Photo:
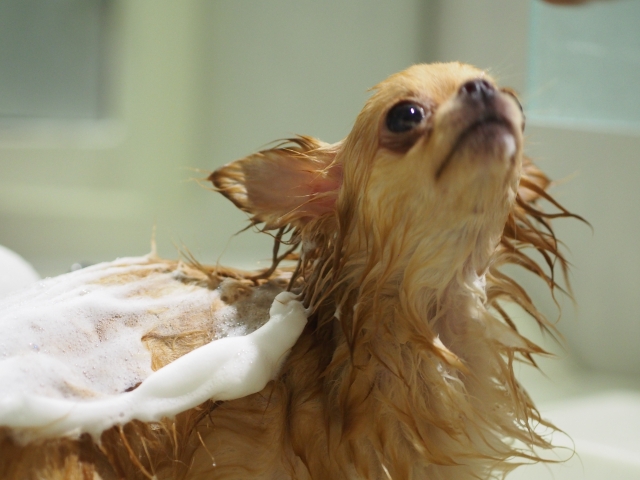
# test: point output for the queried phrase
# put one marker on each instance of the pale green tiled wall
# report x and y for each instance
(584, 65)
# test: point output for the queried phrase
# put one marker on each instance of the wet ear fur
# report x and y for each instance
(289, 185)
(532, 181)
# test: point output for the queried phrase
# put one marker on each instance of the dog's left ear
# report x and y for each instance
(291, 184)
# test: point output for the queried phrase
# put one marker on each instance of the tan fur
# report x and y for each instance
(403, 371)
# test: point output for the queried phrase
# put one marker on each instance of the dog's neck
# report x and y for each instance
(414, 262)
(400, 284)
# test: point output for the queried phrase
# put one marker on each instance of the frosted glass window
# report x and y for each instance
(585, 64)
(51, 58)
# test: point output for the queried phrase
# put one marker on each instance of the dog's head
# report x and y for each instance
(445, 133)
(436, 153)
(437, 148)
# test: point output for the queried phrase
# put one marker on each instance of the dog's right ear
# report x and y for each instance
(291, 184)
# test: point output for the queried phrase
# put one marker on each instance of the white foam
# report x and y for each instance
(71, 347)
(15, 272)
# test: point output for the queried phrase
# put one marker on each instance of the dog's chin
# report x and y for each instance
(492, 140)
(491, 146)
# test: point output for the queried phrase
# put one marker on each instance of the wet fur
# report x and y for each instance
(404, 370)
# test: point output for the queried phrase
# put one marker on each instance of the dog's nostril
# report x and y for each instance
(477, 88)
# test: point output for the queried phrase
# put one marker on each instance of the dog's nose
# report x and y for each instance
(477, 89)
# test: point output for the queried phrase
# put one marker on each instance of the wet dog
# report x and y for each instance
(404, 369)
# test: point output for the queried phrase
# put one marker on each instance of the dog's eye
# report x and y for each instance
(404, 116)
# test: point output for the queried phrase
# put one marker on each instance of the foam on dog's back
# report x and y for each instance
(72, 355)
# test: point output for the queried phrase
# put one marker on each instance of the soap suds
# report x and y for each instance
(15, 272)
(72, 349)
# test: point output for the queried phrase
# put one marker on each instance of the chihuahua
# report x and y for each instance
(404, 369)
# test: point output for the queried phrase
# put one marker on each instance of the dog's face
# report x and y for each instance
(435, 142)
(435, 146)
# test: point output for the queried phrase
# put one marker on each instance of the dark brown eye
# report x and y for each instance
(404, 116)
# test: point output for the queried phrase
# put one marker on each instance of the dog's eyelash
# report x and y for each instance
(514, 95)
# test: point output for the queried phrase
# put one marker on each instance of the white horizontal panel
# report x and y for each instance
(70, 202)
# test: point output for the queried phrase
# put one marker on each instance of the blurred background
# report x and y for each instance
(111, 111)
